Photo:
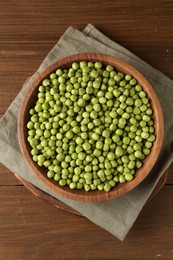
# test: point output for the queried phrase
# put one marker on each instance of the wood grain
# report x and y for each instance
(34, 229)
(7, 177)
(170, 175)
(29, 227)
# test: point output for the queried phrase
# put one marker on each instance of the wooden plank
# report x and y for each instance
(170, 175)
(34, 15)
(7, 178)
(32, 229)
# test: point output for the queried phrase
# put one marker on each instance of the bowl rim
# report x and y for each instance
(149, 161)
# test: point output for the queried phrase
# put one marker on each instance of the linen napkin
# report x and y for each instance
(118, 215)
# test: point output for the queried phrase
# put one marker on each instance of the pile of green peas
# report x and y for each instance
(91, 126)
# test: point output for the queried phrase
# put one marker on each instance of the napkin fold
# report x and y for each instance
(118, 215)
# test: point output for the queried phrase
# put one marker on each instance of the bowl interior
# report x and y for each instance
(29, 101)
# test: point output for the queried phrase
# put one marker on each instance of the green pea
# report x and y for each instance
(118, 151)
(131, 164)
(91, 126)
(151, 138)
(121, 179)
(60, 157)
(145, 135)
(138, 154)
(86, 187)
(128, 177)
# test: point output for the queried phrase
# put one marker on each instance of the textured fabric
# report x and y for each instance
(117, 215)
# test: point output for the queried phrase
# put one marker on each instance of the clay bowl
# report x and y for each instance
(29, 101)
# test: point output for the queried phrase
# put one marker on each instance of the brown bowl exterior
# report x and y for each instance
(29, 101)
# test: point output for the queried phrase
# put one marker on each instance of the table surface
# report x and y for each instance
(29, 227)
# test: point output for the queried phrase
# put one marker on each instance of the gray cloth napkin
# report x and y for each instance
(118, 215)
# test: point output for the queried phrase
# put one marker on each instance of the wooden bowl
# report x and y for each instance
(29, 101)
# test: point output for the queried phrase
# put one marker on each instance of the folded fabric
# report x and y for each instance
(118, 215)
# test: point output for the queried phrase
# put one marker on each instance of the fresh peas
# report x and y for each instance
(91, 126)
(128, 176)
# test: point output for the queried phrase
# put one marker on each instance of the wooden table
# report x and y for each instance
(29, 227)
